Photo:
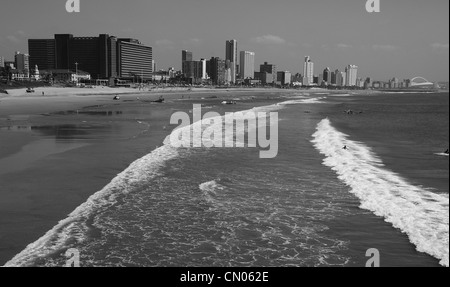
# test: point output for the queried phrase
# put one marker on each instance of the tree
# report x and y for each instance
(6, 72)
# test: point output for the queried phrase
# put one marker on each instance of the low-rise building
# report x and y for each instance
(66, 76)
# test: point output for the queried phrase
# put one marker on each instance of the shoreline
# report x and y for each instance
(98, 90)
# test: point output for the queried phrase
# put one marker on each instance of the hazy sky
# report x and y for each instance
(408, 38)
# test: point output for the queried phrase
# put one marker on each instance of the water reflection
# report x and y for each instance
(63, 132)
(89, 113)
(16, 128)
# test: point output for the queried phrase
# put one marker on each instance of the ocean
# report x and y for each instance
(315, 204)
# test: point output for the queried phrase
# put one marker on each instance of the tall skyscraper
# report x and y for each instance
(2, 62)
(308, 72)
(186, 56)
(217, 70)
(247, 65)
(351, 75)
(338, 78)
(344, 79)
(232, 56)
(204, 73)
(327, 76)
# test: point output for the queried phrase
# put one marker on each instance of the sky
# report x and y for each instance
(408, 38)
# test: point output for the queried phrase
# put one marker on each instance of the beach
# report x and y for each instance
(88, 172)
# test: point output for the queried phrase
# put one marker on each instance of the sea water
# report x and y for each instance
(315, 204)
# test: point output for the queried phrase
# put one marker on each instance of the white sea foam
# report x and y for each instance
(210, 190)
(210, 187)
(419, 213)
(342, 95)
(442, 154)
(412, 92)
(304, 101)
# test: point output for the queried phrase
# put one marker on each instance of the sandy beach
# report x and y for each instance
(100, 90)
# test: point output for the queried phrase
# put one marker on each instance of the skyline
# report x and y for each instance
(407, 39)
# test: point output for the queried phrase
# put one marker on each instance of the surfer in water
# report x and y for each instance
(345, 147)
(446, 152)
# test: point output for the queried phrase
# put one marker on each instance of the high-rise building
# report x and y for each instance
(344, 79)
(284, 78)
(186, 56)
(339, 80)
(269, 69)
(112, 58)
(194, 71)
(232, 56)
(204, 73)
(327, 76)
(135, 59)
(42, 53)
(95, 55)
(320, 80)
(154, 66)
(2, 62)
(265, 78)
(308, 72)
(367, 83)
(228, 73)
(22, 63)
(351, 75)
(62, 44)
(333, 78)
(247, 65)
(217, 70)
(198, 71)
